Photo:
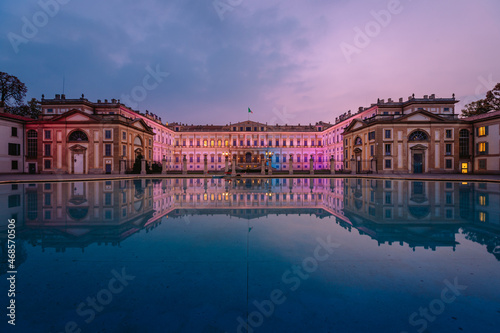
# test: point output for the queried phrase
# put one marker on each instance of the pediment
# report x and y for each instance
(78, 117)
(418, 117)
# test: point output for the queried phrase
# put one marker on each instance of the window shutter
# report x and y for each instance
(477, 147)
(486, 130)
(486, 145)
(477, 131)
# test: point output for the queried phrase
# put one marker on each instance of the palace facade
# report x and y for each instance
(425, 135)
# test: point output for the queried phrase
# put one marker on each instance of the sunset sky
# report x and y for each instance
(289, 61)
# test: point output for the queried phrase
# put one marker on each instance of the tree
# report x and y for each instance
(490, 102)
(32, 110)
(12, 90)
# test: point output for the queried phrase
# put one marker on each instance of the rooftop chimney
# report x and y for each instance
(433, 96)
(401, 100)
(105, 101)
(98, 101)
(58, 96)
(426, 96)
(389, 100)
(382, 101)
(63, 96)
(113, 101)
(360, 109)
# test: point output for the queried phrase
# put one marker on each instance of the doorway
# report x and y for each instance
(248, 158)
(78, 164)
(31, 167)
(418, 163)
(465, 167)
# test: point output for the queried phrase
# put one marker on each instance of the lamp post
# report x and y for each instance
(226, 158)
(269, 156)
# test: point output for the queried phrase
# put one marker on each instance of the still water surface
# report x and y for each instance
(278, 255)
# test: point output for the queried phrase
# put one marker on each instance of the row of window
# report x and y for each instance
(248, 143)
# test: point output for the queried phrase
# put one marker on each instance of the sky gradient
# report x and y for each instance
(289, 61)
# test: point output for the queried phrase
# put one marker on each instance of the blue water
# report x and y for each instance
(280, 255)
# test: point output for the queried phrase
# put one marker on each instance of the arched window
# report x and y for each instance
(358, 141)
(32, 143)
(78, 136)
(463, 143)
(137, 141)
(418, 136)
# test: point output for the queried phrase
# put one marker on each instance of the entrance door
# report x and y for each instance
(108, 168)
(31, 167)
(417, 163)
(465, 168)
(78, 164)
(358, 166)
(248, 157)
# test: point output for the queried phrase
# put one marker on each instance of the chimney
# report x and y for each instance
(389, 100)
(433, 96)
(105, 101)
(360, 109)
(58, 96)
(113, 101)
(401, 100)
(63, 96)
(382, 101)
(409, 97)
(426, 96)
(98, 101)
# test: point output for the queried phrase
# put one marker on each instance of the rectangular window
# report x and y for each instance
(312, 142)
(212, 159)
(198, 143)
(220, 159)
(371, 135)
(255, 143)
(197, 159)
(482, 148)
(387, 149)
(305, 143)
(47, 164)
(298, 143)
(298, 159)
(277, 143)
(234, 143)
(270, 143)
(13, 131)
(387, 134)
(47, 134)
(482, 164)
(291, 143)
(388, 164)
(14, 165)
(248, 143)
(107, 149)
(448, 163)
(107, 134)
(372, 150)
(14, 149)
(241, 143)
(448, 149)
(124, 150)
(262, 143)
(47, 150)
(482, 131)
(124, 136)
(448, 133)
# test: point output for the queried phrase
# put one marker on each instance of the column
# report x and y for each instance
(184, 165)
(311, 165)
(143, 166)
(353, 166)
(332, 165)
(290, 164)
(164, 166)
(205, 164)
(262, 164)
(270, 166)
(123, 166)
(226, 168)
(233, 167)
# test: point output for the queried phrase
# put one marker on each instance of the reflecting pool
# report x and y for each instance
(254, 255)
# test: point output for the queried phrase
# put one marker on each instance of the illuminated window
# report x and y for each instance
(205, 143)
(482, 131)
(482, 148)
(483, 217)
(482, 200)
(212, 143)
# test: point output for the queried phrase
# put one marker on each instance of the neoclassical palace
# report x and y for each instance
(417, 135)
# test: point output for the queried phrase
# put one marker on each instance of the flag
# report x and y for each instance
(250, 111)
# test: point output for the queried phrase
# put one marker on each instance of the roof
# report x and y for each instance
(15, 116)
(483, 115)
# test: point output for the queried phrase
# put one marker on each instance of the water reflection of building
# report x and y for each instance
(421, 214)
(424, 214)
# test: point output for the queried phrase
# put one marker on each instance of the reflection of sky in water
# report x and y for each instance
(202, 253)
